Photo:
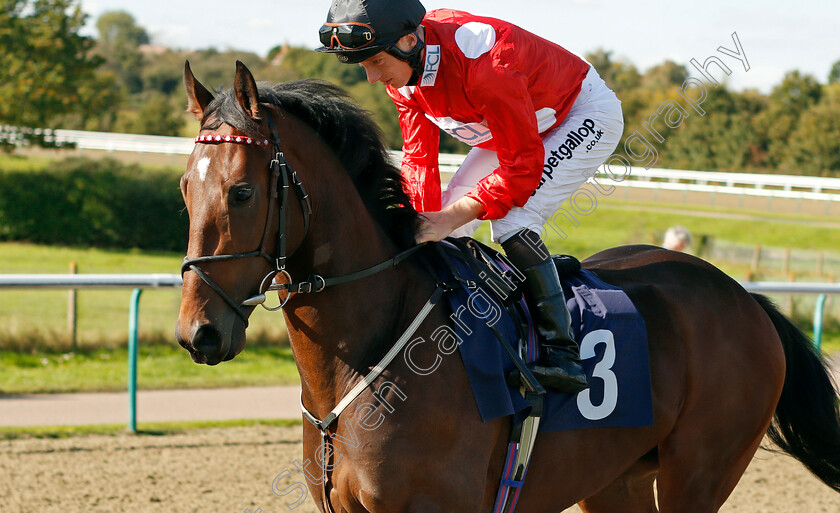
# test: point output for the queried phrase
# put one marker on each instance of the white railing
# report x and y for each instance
(775, 186)
(771, 186)
(135, 143)
(138, 282)
(89, 281)
(150, 281)
(784, 287)
(144, 281)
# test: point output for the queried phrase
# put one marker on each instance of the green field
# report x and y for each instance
(23, 163)
(38, 318)
(614, 223)
(36, 355)
(159, 366)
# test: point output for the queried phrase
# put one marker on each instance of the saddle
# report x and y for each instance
(607, 325)
(494, 274)
(497, 276)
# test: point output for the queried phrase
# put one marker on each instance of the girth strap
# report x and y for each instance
(496, 277)
(520, 449)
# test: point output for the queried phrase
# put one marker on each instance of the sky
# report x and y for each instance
(775, 36)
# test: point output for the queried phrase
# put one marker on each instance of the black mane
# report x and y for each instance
(350, 132)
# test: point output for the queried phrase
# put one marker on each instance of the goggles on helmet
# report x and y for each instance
(349, 36)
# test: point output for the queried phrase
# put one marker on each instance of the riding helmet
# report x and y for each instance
(358, 29)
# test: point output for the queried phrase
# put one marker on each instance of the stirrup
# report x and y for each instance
(565, 386)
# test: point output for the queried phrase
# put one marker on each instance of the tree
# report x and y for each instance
(786, 103)
(665, 76)
(118, 28)
(154, 114)
(216, 69)
(720, 140)
(119, 43)
(814, 147)
(311, 64)
(45, 65)
(796, 93)
(834, 73)
(164, 73)
(100, 101)
(619, 76)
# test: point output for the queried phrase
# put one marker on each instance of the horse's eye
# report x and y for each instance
(242, 194)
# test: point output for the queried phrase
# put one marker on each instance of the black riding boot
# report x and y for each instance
(559, 368)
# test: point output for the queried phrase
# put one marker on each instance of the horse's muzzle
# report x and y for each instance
(206, 345)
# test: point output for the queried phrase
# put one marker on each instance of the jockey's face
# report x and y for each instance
(384, 67)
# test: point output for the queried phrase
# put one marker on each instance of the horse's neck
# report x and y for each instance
(338, 334)
(338, 337)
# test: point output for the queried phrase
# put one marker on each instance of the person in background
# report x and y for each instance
(540, 120)
(677, 238)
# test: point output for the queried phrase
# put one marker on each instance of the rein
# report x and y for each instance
(282, 177)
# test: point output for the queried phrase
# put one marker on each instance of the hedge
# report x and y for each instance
(103, 203)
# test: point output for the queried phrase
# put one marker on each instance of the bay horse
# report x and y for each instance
(293, 181)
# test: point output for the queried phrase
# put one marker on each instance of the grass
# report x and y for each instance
(617, 223)
(613, 224)
(36, 159)
(37, 319)
(143, 428)
(830, 342)
(12, 162)
(33, 324)
(163, 366)
(159, 366)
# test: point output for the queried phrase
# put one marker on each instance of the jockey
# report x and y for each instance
(539, 118)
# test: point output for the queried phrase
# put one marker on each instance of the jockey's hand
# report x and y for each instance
(439, 225)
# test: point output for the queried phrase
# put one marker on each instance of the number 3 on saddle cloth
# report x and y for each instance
(613, 348)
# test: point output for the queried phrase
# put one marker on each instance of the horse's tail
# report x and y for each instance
(806, 424)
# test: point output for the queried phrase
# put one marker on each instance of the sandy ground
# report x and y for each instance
(282, 402)
(233, 470)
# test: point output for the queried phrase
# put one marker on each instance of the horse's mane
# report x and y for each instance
(351, 133)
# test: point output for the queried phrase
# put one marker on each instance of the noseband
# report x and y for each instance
(282, 177)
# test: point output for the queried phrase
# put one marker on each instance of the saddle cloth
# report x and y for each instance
(614, 351)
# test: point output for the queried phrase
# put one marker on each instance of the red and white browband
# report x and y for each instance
(239, 139)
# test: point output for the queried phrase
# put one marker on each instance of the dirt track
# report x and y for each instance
(231, 471)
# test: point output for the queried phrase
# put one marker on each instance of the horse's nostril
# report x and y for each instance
(207, 340)
(181, 341)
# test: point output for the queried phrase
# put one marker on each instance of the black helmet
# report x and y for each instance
(358, 29)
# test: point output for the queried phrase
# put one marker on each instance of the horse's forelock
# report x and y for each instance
(225, 109)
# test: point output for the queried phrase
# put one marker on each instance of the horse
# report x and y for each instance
(726, 366)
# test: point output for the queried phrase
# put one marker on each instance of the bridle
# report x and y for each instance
(282, 178)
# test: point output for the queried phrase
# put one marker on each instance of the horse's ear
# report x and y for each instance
(245, 88)
(198, 97)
